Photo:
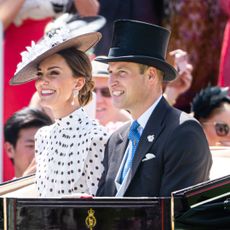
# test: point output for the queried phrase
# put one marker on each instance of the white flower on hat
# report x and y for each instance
(50, 40)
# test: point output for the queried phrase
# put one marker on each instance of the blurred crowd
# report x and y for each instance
(198, 49)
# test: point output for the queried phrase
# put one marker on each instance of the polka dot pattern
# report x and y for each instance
(69, 156)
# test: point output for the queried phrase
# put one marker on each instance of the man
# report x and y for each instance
(19, 132)
(167, 149)
(106, 113)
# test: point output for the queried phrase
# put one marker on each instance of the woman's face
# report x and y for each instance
(217, 127)
(55, 84)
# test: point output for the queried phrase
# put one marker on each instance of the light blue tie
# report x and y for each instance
(134, 137)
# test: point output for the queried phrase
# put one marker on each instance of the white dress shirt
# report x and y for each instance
(142, 120)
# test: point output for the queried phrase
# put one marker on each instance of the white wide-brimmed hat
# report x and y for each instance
(99, 69)
(51, 43)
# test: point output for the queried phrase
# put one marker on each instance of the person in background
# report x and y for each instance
(198, 28)
(19, 132)
(211, 107)
(173, 89)
(106, 113)
(163, 149)
(18, 12)
(69, 152)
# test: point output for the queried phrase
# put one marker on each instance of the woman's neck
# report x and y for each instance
(64, 111)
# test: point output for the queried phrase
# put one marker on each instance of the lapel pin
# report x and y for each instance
(150, 138)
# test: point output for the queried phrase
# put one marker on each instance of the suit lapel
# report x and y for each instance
(121, 146)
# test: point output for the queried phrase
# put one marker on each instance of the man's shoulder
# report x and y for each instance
(121, 131)
(180, 116)
(178, 123)
(124, 127)
(185, 127)
(187, 117)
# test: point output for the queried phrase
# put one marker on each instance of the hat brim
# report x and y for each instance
(82, 42)
(169, 71)
(100, 75)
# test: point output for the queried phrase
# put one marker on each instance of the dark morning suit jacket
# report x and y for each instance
(182, 156)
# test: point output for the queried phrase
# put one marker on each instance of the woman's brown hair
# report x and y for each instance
(80, 65)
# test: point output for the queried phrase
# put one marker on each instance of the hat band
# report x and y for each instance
(101, 72)
(118, 52)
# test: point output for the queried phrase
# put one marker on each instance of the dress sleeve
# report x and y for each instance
(38, 141)
(93, 164)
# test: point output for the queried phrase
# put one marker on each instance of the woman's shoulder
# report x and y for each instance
(96, 131)
(97, 128)
(44, 130)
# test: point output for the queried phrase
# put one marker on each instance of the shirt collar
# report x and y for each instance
(78, 116)
(143, 119)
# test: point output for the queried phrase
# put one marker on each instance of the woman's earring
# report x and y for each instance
(75, 94)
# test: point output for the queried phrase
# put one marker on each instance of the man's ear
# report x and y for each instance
(152, 73)
(9, 148)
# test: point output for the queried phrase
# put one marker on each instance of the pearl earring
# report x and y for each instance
(75, 94)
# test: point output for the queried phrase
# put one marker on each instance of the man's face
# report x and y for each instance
(130, 89)
(23, 153)
(105, 110)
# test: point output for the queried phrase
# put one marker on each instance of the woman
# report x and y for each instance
(69, 152)
(212, 108)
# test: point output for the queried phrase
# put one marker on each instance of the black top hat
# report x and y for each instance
(140, 42)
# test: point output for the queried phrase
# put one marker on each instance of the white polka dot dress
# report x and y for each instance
(69, 156)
